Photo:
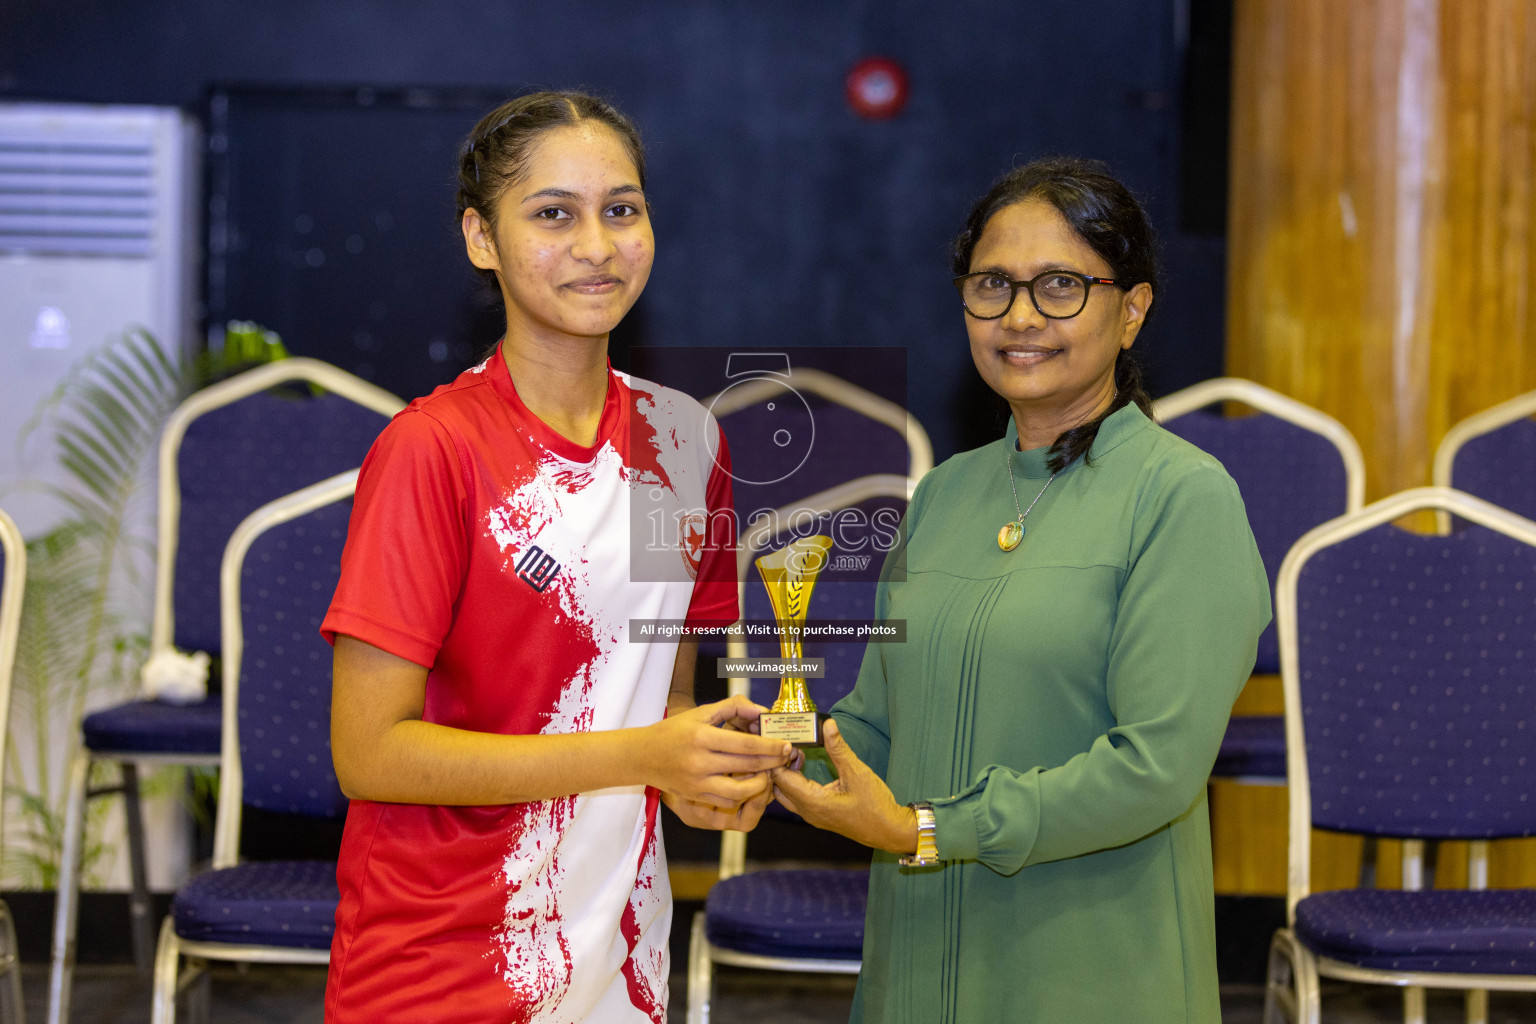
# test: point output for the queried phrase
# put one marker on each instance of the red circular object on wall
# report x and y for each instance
(877, 88)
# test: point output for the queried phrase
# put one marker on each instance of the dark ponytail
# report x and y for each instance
(1105, 215)
(1078, 442)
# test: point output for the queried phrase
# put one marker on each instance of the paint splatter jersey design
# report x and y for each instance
(498, 554)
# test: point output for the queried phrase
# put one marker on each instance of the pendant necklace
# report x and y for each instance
(1012, 533)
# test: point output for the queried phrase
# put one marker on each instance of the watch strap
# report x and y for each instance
(927, 838)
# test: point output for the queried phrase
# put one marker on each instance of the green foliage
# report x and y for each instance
(86, 613)
(246, 345)
(88, 583)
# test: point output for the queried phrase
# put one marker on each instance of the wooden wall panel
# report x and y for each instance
(1382, 204)
(1380, 269)
(1482, 337)
(1322, 304)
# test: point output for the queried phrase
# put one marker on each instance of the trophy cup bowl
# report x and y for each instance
(790, 575)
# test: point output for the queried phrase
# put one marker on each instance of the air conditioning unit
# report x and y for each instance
(98, 233)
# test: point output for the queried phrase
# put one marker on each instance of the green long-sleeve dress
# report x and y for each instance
(1061, 706)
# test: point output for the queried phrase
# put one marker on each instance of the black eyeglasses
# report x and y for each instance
(1057, 294)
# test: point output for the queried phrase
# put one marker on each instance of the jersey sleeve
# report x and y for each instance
(714, 601)
(407, 543)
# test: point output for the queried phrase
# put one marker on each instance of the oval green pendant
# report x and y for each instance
(1009, 536)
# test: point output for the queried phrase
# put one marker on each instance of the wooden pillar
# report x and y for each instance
(1380, 251)
(1380, 232)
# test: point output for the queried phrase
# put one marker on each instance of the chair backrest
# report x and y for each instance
(1493, 455)
(837, 600)
(13, 581)
(231, 448)
(836, 431)
(1407, 664)
(277, 578)
(839, 594)
(1295, 467)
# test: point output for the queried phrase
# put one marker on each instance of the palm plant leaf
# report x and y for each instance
(84, 620)
(85, 616)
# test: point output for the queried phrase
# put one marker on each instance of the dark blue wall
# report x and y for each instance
(781, 217)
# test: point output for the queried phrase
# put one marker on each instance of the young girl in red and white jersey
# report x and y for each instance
(504, 740)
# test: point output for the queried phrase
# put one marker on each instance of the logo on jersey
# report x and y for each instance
(537, 568)
(690, 541)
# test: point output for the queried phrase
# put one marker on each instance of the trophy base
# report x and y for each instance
(802, 728)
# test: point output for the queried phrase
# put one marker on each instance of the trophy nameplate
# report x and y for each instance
(790, 575)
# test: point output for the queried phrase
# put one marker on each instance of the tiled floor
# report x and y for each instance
(287, 995)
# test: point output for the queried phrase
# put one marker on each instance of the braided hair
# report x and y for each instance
(498, 151)
(1106, 216)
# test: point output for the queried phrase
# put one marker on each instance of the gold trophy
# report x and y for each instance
(790, 574)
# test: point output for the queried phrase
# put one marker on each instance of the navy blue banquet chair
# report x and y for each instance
(1296, 467)
(225, 451)
(13, 578)
(1411, 715)
(799, 919)
(795, 431)
(277, 578)
(1493, 455)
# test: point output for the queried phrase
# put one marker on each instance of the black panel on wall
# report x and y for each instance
(330, 221)
(1205, 133)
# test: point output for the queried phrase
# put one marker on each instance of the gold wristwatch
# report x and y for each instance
(927, 842)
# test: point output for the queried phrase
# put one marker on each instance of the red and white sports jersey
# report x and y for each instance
(498, 554)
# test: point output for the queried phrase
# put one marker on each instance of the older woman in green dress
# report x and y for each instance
(1083, 599)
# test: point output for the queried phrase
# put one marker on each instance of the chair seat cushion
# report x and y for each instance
(156, 727)
(813, 914)
(1454, 931)
(1254, 745)
(266, 903)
